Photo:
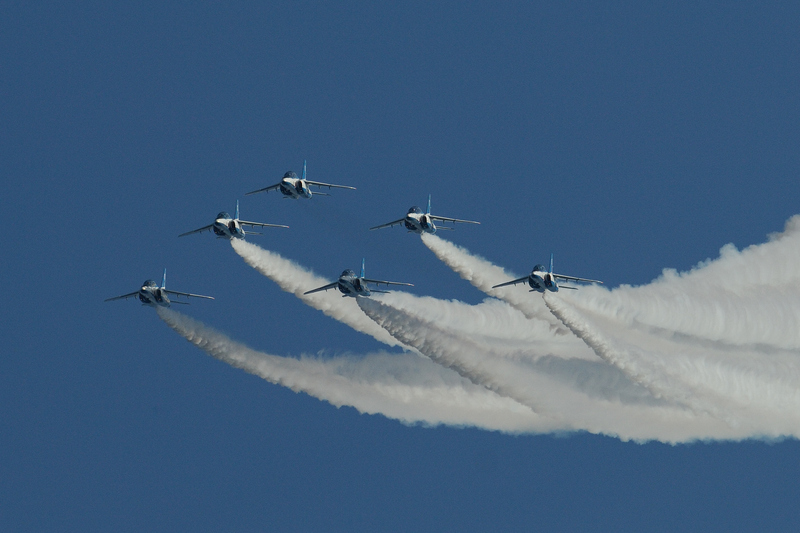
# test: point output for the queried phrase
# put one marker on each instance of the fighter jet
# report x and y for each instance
(293, 187)
(231, 228)
(351, 285)
(541, 280)
(153, 295)
(418, 222)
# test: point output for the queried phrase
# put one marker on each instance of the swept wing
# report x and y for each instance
(123, 297)
(390, 224)
(323, 288)
(204, 228)
(572, 278)
(188, 294)
(329, 185)
(261, 224)
(381, 282)
(513, 282)
(448, 219)
(265, 189)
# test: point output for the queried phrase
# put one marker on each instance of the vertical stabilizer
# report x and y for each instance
(164, 280)
(237, 210)
(304, 169)
(551, 262)
(428, 212)
(363, 270)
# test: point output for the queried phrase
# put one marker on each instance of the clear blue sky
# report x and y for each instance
(624, 138)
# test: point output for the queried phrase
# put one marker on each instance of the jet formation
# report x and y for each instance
(349, 284)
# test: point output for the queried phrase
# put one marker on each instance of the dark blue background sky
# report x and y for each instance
(623, 137)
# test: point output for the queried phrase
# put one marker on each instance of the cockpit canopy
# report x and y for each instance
(290, 174)
(415, 209)
(539, 268)
(348, 273)
(223, 214)
(149, 283)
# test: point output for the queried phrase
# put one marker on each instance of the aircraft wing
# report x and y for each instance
(381, 282)
(513, 282)
(448, 219)
(572, 278)
(265, 189)
(389, 224)
(261, 224)
(329, 185)
(204, 228)
(123, 297)
(176, 293)
(323, 288)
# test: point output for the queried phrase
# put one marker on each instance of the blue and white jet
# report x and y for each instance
(153, 295)
(351, 285)
(542, 280)
(293, 187)
(231, 227)
(416, 221)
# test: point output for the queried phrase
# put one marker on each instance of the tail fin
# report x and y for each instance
(304, 169)
(363, 270)
(551, 262)
(428, 212)
(237, 210)
(164, 280)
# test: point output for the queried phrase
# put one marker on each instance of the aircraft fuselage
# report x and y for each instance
(153, 296)
(541, 281)
(419, 222)
(228, 227)
(293, 187)
(352, 285)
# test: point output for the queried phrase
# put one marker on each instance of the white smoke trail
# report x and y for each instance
(296, 280)
(729, 327)
(722, 339)
(492, 322)
(743, 387)
(551, 388)
(712, 353)
(484, 275)
(749, 297)
(634, 365)
(404, 387)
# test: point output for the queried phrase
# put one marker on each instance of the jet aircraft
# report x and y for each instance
(231, 228)
(541, 280)
(153, 295)
(293, 187)
(418, 222)
(351, 285)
